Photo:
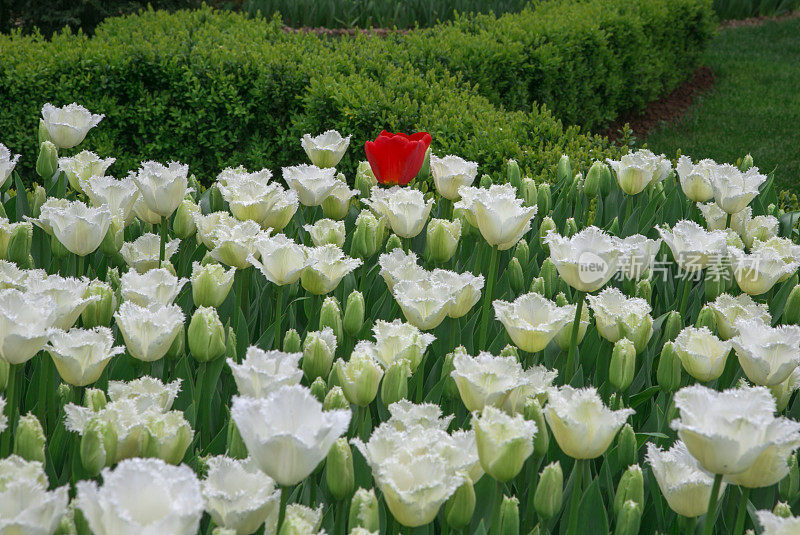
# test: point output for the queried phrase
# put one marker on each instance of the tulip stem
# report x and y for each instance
(708, 527)
(728, 221)
(573, 339)
(44, 389)
(12, 406)
(78, 266)
(278, 316)
(282, 510)
(740, 515)
(491, 275)
(163, 245)
(575, 498)
(685, 298)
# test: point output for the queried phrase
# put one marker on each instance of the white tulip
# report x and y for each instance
(168, 436)
(450, 173)
(263, 372)
(15, 469)
(783, 392)
(302, 520)
(637, 170)
(581, 424)
(638, 256)
(68, 294)
(283, 205)
(81, 355)
(3, 417)
(287, 433)
(786, 249)
(504, 441)
(406, 415)
(163, 187)
(404, 208)
(7, 228)
(465, 288)
(694, 248)
(312, 184)
(326, 149)
(26, 505)
(325, 231)
(236, 242)
(146, 391)
(532, 320)
(760, 227)
(149, 331)
(141, 211)
(25, 324)
(249, 195)
(360, 375)
(424, 303)
(82, 166)
(768, 355)
(142, 497)
(327, 266)
(716, 218)
(282, 260)
(773, 464)
(78, 227)
(207, 226)
(587, 260)
(7, 163)
(619, 316)
(727, 431)
(395, 341)
(501, 217)
(728, 310)
(400, 265)
(337, 203)
(211, 283)
(695, 178)
(154, 287)
(119, 195)
(67, 126)
(239, 496)
(773, 524)
(142, 254)
(11, 276)
(487, 380)
(756, 273)
(684, 484)
(734, 189)
(701, 353)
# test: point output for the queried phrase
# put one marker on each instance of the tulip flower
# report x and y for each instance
(327, 266)
(153, 287)
(326, 231)
(728, 310)
(211, 284)
(639, 253)
(119, 195)
(263, 372)
(287, 433)
(142, 496)
(761, 227)
(78, 227)
(326, 149)
(142, 212)
(450, 173)
(734, 189)
(587, 260)
(684, 484)
(404, 208)
(28, 505)
(145, 391)
(239, 496)
(396, 159)
(692, 247)
(504, 442)
(142, 254)
(786, 249)
(337, 203)
(312, 184)
(695, 178)
(400, 265)
(25, 323)
(773, 464)
(756, 273)
(7, 163)
(768, 355)
(500, 216)
(532, 321)
(67, 126)
(82, 166)
(464, 288)
(234, 243)
(618, 316)
(360, 376)
(282, 261)
(637, 170)
(149, 331)
(163, 187)
(702, 354)
(168, 437)
(773, 524)
(717, 219)
(424, 303)
(81, 355)
(395, 341)
(249, 195)
(68, 295)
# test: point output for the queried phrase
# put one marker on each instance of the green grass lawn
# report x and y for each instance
(754, 106)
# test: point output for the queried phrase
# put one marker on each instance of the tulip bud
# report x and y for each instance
(594, 179)
(364, 512)
(668, 373)
(5, 368)
(510, 351)
(707, 318)
(393, 243)
(623, 364)
(504, 442)
(365, 179)
(747, 163)
(114, 238)
(782, 510)
(546, 226)
(508, 521)
(99, 312)
(183, 224)
(98, 447)
(291, 341)
(549, 491)
(570, 227)
(543, 199)
(335, 399)
(94, 399)
(368, 235)
(629, 519)
(354, 313)
(47, 162)
(450, 390)
(638, 332)
(235, 445)
(541, 440)
(211, 284)
(215, 201)
(29, 439)
(319, 388)
(537, 286)
(549, 273)
(485, 182)
(43, 134)
(513, 175)
(515, 275)
(522, 253)
(178, 347)
(336, 206)
(19, 245)
(644, 290)
(789, 486)
(627, 446)
(360, 377)
(460, 506)
(791, 310)
(529, 192)
(206, 335)
(442, 239)
(37, 200)
(331, 316)
(425, 171)
(564, 169)
(339, 469)
(630, 488)
(65, 394)
(673, 325)
(394, 386)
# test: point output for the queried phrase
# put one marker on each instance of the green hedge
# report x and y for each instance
(216, 89)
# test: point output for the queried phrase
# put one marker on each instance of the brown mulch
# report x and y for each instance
(756, 21)
(668, 108)
(344, 32)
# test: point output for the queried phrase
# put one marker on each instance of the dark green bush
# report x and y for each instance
(217, 89)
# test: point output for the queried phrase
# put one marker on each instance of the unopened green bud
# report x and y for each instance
(607, 183)
(331, 316)
(541, 440)
(215, 201)
(442, 239)
(513, 175)
(235, 445)
(538, 286)
(393, 243)
(114, 238)
(547, 226)
(508, 521)
(529, 192)
(747, 163)
(19, 245)
(319, 349)
(57, 249)
(98, 445)
(522, 253)
(211, 284)
(291, 342)
(42, 133)
(543, 199)
(549, 491)
(594, 178)
(450, 389)
(673, 325)
(206, 335)
(178, 347)
(101, 311)
(627, 446)
(364, 512)
(365, 179)
(549, 273)
(360, 377)
(183, 224)
(510, 351)
(668, 373)
(460, 506)
(368, 235)
(623, 364)
(47, 162)
(394, 386)
(38, 198)
(644, 290)
(564, 169)
(192, 183)
(354, 313)
(425, 171)
(335, 399)
(29, 439)
(339, 471)
(791, 310)
(715, 285)
(782, 510)
(319, 388)
(630, 487)
(629, 518)
(789, 486)
(707, 318)
(65, 394)
(515, 275)
(94, 399)
(485, 181)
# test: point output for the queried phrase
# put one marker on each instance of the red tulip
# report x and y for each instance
(397, 158)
